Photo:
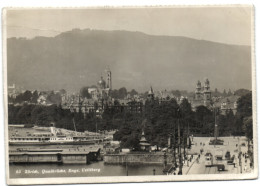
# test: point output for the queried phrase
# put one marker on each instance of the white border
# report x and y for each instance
(68, 3)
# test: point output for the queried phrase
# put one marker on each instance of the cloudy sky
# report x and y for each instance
(230, 25)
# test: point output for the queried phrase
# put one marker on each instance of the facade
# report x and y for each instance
(103, 87)
(202, 95)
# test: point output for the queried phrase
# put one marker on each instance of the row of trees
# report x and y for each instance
(158, 120)
(32, 97)
(239, 92)
(161, 121)
(29, 115)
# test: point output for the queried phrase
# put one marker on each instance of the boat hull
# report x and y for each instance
(52, 143)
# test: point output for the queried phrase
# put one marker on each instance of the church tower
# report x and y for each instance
(109, 78)
(150, 95)
(207, 93)
(198, 95)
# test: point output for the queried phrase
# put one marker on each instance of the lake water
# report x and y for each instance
(91, 170)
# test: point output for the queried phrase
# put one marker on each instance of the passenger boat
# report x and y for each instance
(53, 140)
(50, 138)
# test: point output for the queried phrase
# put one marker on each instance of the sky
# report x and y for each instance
(231, 25)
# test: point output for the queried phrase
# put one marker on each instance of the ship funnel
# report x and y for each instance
(53, 129)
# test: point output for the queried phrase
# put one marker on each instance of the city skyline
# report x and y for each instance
(169, 90)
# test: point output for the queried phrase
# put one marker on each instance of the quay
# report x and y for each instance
(59, 156)
(138, 158)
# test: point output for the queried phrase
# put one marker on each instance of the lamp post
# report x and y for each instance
(179, 143)
(216, 127)
(126, 167)
(239, 155)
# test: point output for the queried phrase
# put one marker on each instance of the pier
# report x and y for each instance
(59, 156)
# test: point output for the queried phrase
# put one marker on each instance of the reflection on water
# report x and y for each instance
(94, 169)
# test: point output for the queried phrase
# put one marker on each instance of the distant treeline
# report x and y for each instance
(33, 97)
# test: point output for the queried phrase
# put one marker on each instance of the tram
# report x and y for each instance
(208, 159)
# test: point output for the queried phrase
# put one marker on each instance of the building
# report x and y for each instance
(144, 145)
(150, 95)
(103, 88)
(202, 95)
(227, 104)
(109, 78)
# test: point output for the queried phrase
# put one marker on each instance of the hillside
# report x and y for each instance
(77, 58)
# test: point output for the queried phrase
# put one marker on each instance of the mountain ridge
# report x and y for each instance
(77, 58)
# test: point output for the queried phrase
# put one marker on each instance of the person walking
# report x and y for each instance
(245, 168)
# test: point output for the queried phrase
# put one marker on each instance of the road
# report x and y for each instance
(231, 144)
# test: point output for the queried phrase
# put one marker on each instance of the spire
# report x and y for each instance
(150, 94)
(199, 83)
(151, 90)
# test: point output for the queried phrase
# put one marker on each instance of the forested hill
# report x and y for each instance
(77, 58)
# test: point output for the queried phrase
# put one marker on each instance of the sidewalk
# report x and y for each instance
(186, 168)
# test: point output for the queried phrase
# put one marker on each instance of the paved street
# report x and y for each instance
(231, 144)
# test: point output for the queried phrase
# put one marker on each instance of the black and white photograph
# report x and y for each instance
(129, 94)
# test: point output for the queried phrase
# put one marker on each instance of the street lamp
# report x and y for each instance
(179, 142)
(126, 167)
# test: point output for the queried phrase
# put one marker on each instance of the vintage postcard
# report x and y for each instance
(129, 94)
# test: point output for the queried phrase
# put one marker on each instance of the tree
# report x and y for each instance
(224, 93)
(24, 97)
(229, 93)
(54, 98)
(84, 93)
(216, 93)
(114, 94)
(244, 121)
(27, 95)
(241, 92)
(133, 92)
(35, 96)
(122, 93)
(176, 93)
(205, 118)
(244, 105)
(62, 91)
(24, 114)
(248, 127)
(185, 107)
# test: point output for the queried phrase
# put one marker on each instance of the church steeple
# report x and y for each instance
(150, 94)
(207, 93)
(109, 78)
(198, 91)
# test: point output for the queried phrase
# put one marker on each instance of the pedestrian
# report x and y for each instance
(245, 168)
